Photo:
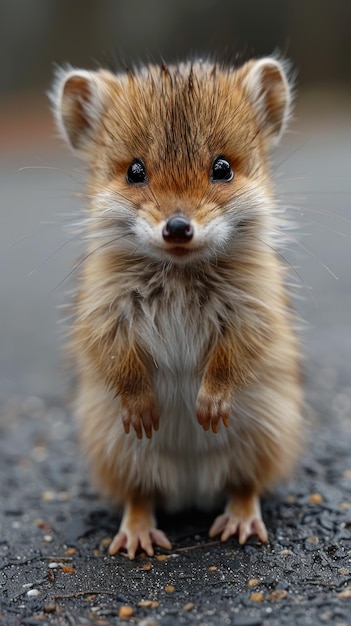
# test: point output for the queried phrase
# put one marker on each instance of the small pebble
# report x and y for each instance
(126, 611)
(41, 524)
(345, 506)
(48, 496)
(47, 538)
(169, 588)
(316, 498)
(33, 593)
(343, 571)
(67, 569)
(253, 582)
(189, 606)
(97, 552)
(313, 540)
(256, 596)
(277, 595)
(344, 595)
(39, 453)
(105, 542)
(327, 616)
(149, 604)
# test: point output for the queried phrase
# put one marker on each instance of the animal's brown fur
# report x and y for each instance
(188, 363)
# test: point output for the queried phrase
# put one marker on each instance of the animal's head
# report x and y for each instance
(177, 155)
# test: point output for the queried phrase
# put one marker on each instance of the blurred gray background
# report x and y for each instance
(40, 180)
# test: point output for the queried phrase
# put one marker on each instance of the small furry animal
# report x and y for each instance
(188, 364)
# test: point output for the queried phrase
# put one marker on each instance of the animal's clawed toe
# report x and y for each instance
(142, 419)
(210, 410)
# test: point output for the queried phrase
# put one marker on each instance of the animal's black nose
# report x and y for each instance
(178, 229)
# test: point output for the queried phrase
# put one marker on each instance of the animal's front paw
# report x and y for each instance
(140, 413)
(211, 408)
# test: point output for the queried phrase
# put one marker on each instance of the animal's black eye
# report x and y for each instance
(221, 170)
(136, 173)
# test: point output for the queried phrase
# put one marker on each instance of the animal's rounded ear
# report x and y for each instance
(78, 101)
(268, 88)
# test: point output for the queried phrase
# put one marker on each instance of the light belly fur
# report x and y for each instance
(182, 463)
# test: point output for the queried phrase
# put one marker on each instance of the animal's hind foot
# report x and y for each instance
(242, 517)
(138, 532)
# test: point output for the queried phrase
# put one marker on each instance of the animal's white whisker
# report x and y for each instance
(52, 254)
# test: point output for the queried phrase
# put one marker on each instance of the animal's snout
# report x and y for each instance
(178, 229)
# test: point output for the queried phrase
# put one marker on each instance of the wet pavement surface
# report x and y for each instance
(54, 567)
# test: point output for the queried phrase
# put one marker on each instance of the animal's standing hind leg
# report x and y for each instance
(138, 530)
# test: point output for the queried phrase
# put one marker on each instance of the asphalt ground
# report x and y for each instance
(54, 567)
